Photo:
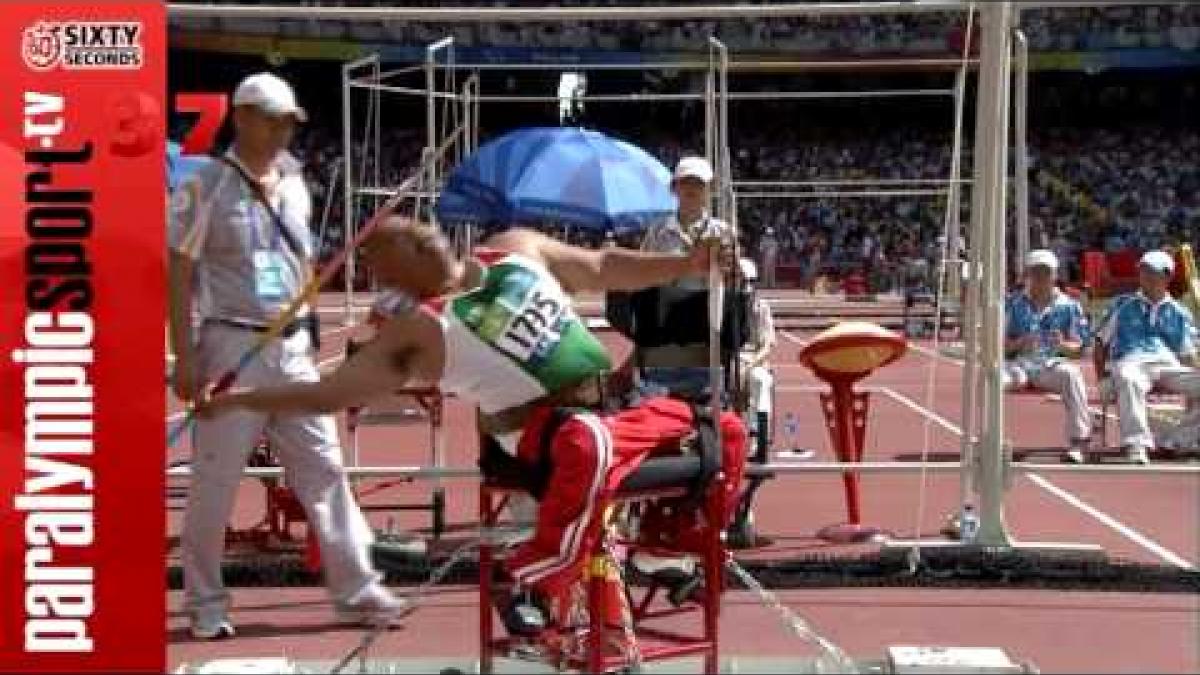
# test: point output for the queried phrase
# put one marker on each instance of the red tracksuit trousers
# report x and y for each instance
(591, 455)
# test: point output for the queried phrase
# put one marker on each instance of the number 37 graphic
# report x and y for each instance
(210, 110)
(183, 159)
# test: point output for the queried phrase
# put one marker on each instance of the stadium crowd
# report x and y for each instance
(1104, 184)
(1174, 24)
(1106, 188)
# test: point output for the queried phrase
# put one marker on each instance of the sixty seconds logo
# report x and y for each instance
(79, 45)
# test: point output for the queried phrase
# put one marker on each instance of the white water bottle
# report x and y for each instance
(791, 429)
(968, 524)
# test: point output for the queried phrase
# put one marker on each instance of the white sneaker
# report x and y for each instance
(1136, 454)
(664, 568)
(1075, 455)
(373, 606)
(216, 628)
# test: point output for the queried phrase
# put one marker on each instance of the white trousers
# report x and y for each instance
(1132, 380)
(1060, 377)
(309, 451)
(760, 383)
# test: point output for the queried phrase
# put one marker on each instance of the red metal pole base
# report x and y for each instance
(846, 417)
(851, 533)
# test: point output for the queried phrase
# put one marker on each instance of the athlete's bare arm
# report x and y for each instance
(610, 269)
(381, 367)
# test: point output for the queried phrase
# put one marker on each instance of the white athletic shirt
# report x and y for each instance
(515, 338)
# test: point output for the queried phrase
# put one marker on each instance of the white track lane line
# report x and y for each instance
(921, 410)
(1062, 493)
(925, 351)
(1114, 524)
(792, 338)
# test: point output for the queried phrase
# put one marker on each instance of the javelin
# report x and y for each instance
(310, 290)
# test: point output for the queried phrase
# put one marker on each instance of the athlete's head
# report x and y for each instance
(410, 256)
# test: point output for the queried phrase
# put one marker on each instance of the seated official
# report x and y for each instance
(678, 363)
(1045, 330)
(758, 382)
(1149, 340)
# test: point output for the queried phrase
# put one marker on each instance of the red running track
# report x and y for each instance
(1146, 518)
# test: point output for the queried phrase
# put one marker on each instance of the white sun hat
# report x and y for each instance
(270, 94)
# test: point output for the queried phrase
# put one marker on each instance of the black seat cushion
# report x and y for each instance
(663, 472)
(670, 315)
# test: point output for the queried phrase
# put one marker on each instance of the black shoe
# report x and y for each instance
(683, 590)
(679, 574)
(525, 614)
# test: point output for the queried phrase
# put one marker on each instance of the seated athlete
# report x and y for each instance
(498, 330)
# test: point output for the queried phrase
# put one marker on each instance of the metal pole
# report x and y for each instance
(681, 97)
(428, 180)
(714, 142)
(348, 190)
(740, 65)
(824, 194)
(329, 192)
(431, 119)
(377, 105)
(709, 87)
(953, 209)
(1021, 155)
(475, 113)
(954, 276)
(852, 182)
(988, 202)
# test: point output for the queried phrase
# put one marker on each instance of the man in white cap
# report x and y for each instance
(691, 183)
(241, 244)
(1045, 331)
(1147, 339)
(683, 367)
(675, 368)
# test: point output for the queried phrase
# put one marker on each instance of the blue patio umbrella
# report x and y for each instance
(180, 166)
(564, 175)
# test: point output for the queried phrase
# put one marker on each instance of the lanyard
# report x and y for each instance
(258, 223)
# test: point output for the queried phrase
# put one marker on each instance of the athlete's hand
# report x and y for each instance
(210, 403)
(705, 250)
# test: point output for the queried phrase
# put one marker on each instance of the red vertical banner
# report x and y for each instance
(82, 287)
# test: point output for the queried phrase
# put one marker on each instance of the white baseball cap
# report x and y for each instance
(694, 167)
(1159, 261)
(270, 94)
(1041, 258)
